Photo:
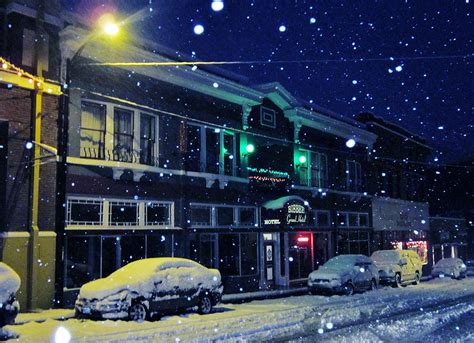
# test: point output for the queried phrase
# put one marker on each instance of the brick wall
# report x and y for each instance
(16, 109)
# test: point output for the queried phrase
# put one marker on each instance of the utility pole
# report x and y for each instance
(34, 255)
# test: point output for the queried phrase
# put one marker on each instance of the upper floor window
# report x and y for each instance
(147, 139)
(123, 135)
(92, 131)
(353, 176)
(352, 219)
(267, 117)
(211, 150)
(314, 170)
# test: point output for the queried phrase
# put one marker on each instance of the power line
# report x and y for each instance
(340, 60)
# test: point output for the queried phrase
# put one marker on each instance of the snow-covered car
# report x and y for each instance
(151, 287)
(449, 267)
(398, 267)
(9, 285)
(344, 274)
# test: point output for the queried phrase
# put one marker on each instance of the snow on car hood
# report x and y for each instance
(142, 276)
(9, 282)
(328, 274)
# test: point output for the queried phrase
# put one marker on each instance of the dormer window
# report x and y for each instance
(267, 117)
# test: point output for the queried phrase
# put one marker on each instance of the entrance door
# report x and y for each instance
(269, 248)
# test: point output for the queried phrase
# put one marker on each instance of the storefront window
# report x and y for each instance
(132, 248)
(249, 258)
(82, 260)
(353, 242)
(159, 245)
(229, 254)
(110, 255)
(300, 255)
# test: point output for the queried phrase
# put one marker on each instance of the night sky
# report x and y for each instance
(432, 97)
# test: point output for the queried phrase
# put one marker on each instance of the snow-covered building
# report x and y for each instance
(398, 182)
(187, 161)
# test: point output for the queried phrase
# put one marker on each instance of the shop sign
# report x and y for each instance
(296, 214)
(271, 222)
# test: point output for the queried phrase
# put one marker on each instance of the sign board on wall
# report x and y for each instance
(399, 215)
(287, 211)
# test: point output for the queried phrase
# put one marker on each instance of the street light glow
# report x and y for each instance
(302, 159)
(111, 28)
(250, 148)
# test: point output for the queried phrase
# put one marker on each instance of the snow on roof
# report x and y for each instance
(279, 203)
(9, 282)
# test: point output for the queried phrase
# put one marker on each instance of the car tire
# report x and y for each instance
(398, 281)
(417, 279)
(138, 312)
(348, 288)
(205, 304)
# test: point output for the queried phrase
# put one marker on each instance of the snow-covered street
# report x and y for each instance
(439, 310)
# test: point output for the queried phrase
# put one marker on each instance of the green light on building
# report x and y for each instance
(302, 159)
(250, 148)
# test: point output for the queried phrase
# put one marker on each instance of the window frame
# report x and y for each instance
(267, 122)
(356, 184)
(204, 148)
(236, 223)
(347, 214)
(103, 132)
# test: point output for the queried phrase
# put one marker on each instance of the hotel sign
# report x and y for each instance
(296, 214)
(291, 212)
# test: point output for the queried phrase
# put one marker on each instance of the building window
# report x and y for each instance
(148, 139)
(319, 170)
(228, 154)
(158, 214)
(92, 131)
(225, 216)
(353, 242)
(353, 176)
(218, 156)
(267, 117)
(207, 215)
(84, 212)
(193, 160)
(123, 213)
(322, 218)
(313, 172)
(238, 254)
(123, 135)
(352, 219)
(247, 216)
(201, 216)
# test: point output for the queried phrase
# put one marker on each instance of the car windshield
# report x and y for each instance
(341, 262)
(385, 256)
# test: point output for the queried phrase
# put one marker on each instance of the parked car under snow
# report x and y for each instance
(449, 267)
(151, 287)
(344, 274)
(9, 285)
(398, 267)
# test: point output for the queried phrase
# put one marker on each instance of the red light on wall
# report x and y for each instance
(303, 239)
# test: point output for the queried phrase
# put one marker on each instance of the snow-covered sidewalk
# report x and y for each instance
(284, 318)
